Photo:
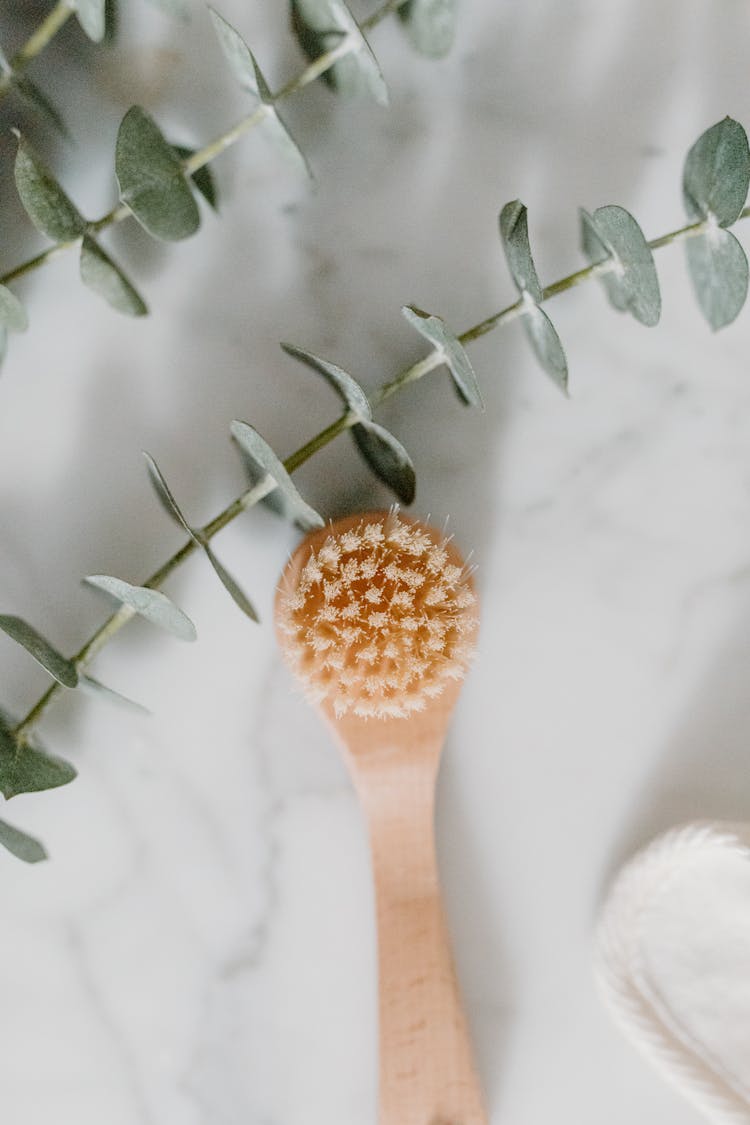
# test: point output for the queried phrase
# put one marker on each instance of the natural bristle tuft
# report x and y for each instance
(379, 618)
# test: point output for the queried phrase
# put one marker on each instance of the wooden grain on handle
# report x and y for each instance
(427, 1074)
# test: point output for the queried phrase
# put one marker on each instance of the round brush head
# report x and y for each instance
(376, 614)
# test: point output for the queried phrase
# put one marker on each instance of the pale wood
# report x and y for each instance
(427, 1073)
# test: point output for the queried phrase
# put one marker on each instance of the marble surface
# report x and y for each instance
(200, 948)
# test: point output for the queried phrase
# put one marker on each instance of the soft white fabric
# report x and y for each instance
(673, 962)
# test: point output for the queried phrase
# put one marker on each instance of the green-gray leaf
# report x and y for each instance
(164, 493)
(717, 173)
(230, 584)
(44, 200)
(202, 178)
(30, 93)
(239, 56)
(431, 25)
(275, 500)
(94, 687)
(316, 34)
(451, 351)
(344, 384)
(3, 342)
(151, 179)
(26, 768)
(546, 344)
(12, 313)
(31, 771)
(20, 845)
(103, 276)
(633, 285)
(320, 25)
(244, 67)
(718, 269)
(514, 233)
(278, 133)
(387, 458)
(63, 670)
(258, 450)
(155, 606)
(91, 16)
(169, 504)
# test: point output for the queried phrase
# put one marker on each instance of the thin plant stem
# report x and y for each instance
(412, 374)
(381, 14)
(36, 43)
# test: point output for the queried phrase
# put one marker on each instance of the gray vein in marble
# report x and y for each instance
(122, 1048)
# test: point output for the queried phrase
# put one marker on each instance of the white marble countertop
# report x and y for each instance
(200, 948)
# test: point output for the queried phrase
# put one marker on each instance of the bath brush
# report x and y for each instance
(377, 617)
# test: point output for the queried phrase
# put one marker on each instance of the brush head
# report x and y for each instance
(376, 615)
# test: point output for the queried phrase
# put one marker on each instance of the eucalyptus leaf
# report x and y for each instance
(258, 450)
(169, 504)
(277, 131)
(30, 93)
(387, 458)
(95, 687)
(717, 173)
(63, 670)
(239, 56)
(153, 605)
(451, 351)
(100, 274)
(514, 233)
(320, 25)
(31, 771)
(344, 384)
(546, 344)
(91, 14)
(151, 179)
(431, 25)
(21, 845)
(25, 768)
(12, 313)
(229, 583)
(203, 178)
(275, 501)
(718, 270)
(244, 67)
(633, 285)
(164, 494)
(3, 342)
(44, 200)
(316, 32)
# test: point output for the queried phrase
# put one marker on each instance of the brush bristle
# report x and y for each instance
(379, 620)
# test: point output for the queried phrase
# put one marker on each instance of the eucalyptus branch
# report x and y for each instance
(203, 156)
(715, 185)
(416, 371)
(36, 43)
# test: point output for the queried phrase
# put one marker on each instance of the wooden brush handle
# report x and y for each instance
(427, 1075)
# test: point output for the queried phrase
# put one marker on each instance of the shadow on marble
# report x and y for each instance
(703, 772)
